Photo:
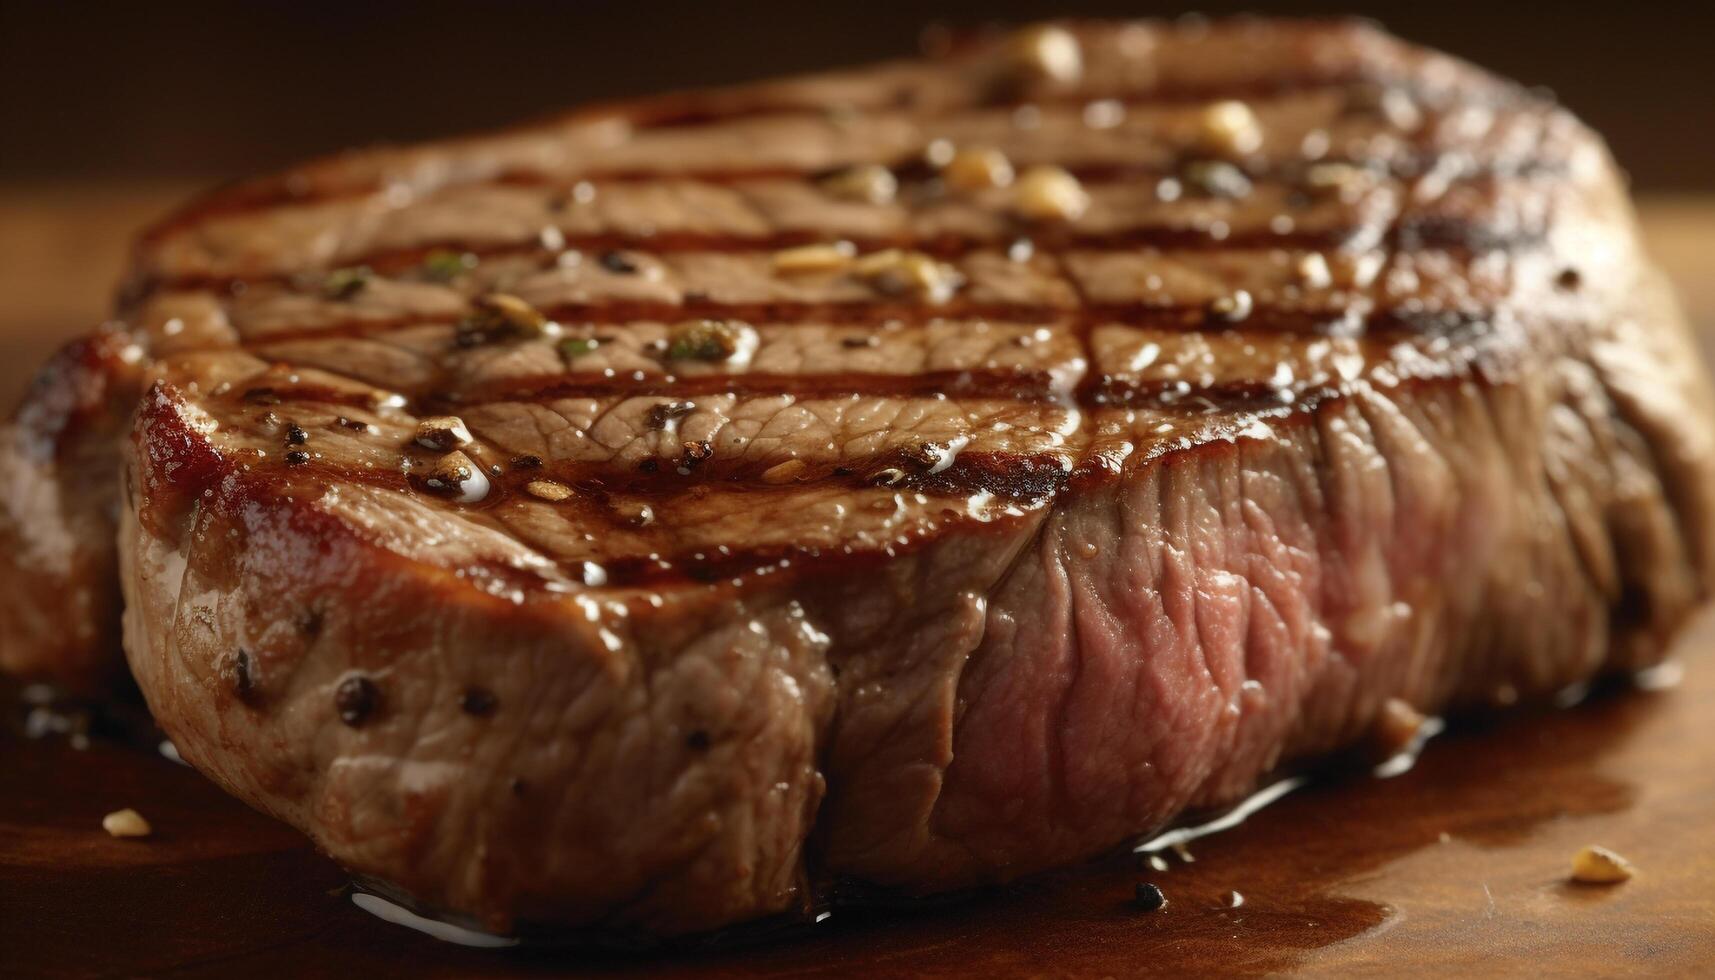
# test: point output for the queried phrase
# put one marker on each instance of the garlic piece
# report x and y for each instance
(1599, 866)
(126, 823)
(814, 258)
(977, 168)
(1047, 53)
(1230, 129)
(1049, 193)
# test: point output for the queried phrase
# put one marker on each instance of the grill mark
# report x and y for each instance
(1032, 480)
(1400, 320)
(1409, 235)
(668, 113)
(972, 384)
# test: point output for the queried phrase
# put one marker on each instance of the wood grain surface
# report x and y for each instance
(1457, 866)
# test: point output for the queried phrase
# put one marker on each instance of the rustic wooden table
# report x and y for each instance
(1456, 866)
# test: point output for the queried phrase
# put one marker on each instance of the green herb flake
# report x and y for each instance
(442, 265)
(573, 348)
(346, 283)
(703, 340)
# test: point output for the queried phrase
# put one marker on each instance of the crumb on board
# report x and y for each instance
(126, 823)
(1599, 866)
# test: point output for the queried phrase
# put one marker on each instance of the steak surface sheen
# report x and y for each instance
(1336, 376)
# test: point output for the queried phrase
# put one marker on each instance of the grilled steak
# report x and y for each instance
(925, 475)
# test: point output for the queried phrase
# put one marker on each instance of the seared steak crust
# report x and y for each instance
(518, 519)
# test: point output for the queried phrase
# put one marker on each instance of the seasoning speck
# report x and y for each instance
(442, 432)
(1217, 178)
(664, 414)
(617, 262)
(1230, 128)
(1149, 898)
(478, 701)
(1599, 866)
(870, 183)
(896, 272)
(126, 823)
(297, 457)
(705, 340)
(527, 462)
(345, 283)
(454, 474)
(1233, 307)
(782, 473)
(355, 699)
(977, 168)
(1049, 193)
(443, 265)
(1333, 179)
(548, 490)
(1049, 54)
(573, 348)
(503, 313)
(242, 674)
(814, 258)
(295, 435)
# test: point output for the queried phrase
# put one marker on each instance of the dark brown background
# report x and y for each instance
(210, 89)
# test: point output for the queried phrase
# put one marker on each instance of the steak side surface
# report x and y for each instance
(558, 527)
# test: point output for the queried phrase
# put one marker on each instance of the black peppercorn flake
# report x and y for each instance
(295, 435)
(663, 413)
(614, 261)
(297, 457)
(527, 462)
(356, 698)
(242, 672)
(478, 701)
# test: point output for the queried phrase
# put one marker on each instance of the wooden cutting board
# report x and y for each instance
(1457, 866)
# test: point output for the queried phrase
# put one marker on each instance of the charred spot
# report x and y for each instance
(1569, 279)
(696, 452)
(295, 435)
(666, 412)
(704, 573)
(855, 342)
(617, 262)
(241, 673)
(843, 471)
(650, 465)
(310, 623)
(297, 457)
(262, 396)
(469, 336)
(478, 701)
(352, 424)
(356, 699)
(698, 740)
(527, 462)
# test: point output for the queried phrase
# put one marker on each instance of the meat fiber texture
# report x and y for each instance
(519, 518)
